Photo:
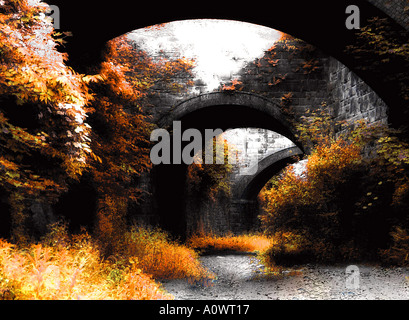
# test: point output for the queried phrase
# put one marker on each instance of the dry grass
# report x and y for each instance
(70, 271)
(242, 243)
(163, 258)
(63, 267)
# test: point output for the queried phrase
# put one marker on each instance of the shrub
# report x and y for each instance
(311, 202)
(316, 208)
(290, 248)
(398, 253)
(355, 191)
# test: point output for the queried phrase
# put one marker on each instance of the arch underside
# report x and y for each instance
(228, 110)
(318, 22)
(221, 110)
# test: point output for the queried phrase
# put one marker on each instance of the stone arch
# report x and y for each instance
(226, 110)
(238, 98)
(248, 186)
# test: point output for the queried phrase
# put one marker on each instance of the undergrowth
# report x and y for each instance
(242, 243)
(162, 257)
(70, 267)
(63, 267)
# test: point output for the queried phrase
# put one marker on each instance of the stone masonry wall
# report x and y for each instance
(292, 74)
(300, 77)
(396, 9)
(350, 98)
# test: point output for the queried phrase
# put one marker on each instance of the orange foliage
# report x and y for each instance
(234, 86)
(142, 73)
(44, 140)
(32, 70)
(300, 201)
(331, 163)
(291, 195)
(310, 66)
(162, 258)
(208, 181)
(242, 243)
(70, 269)
(121, 128)
(309, 209)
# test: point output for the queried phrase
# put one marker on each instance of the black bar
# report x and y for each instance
(203, 309)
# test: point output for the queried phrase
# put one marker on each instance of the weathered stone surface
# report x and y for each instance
(397, 9)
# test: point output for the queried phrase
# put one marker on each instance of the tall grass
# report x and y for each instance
(162, 257)
(73, 270)
(64, 267)
(243, 243)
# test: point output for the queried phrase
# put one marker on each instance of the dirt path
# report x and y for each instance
(240, 277)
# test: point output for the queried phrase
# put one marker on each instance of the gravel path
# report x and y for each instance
(241, 277)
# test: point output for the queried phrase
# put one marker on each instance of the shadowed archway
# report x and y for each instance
(218, 110)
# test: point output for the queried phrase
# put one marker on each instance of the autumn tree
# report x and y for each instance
(353, 194)
(121, 127)
(45, 116)
(43, 130)
(330, 164)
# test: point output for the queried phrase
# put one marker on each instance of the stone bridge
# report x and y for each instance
(351, 91)
(256, 103)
